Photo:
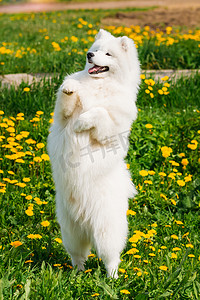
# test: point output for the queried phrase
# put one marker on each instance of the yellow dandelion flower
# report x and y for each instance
(182, 154)
(151, 172)
(132, 251)
(192, 146)
(58, 240)
(165, 78)
(45, 223)
(163, 247)
(143, 173)
(89, 270)
(172, 175)
(45, 157)
(95, 295)
(181, 182)
(149, 126)
(122, 270)
(173, 201)
(3, 125)
(31, 236)
(44, 202)
(178, 222)
(176, 249)
(26, 89)
(40, 145)
(36, 119)
(151, 95)
(188, 178)
(38, 201)
(29, 212)
(125, 292)
(163, 268)
(174, 255)
(191, 255)
(37, 159)
(74, 38)
(189, 246)
(186, 234)
(39, 112)
(148, 182)
(25, 134)
(174, 163)
(175, 237)
(164, 89)
(163, 196)
(130, 212)
(57, 265)
(21, 184)
(152, 254)
(11, 173)
(162, 174)
(16, 244)
(152, 248)
(134, 239)
(10, 129)
(91, 255)
(34, 236)
(184, 161)
(26, 179)
(166, 151)
(30, 141)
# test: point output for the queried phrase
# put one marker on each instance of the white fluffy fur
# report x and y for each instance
(92, 118)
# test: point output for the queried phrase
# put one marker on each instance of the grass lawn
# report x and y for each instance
(162, 256)
(49, 42)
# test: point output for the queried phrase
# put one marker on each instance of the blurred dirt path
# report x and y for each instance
(37, 6)
(9, 80)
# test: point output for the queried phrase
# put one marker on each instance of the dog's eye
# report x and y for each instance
(108, 54)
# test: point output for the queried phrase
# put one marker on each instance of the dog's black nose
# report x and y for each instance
(90, 55)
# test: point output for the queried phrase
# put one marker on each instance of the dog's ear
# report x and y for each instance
(103, 34)
(125, 43)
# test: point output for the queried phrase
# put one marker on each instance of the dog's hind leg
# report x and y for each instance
(77, 246)
(109, 242)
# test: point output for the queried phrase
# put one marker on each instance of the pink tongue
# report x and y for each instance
(94, 69)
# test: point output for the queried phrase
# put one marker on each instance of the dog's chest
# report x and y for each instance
(94, 95)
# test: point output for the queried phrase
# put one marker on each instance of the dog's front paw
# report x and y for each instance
(70, 86)
(83, 123)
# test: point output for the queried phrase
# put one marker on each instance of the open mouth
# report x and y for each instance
(97, 69)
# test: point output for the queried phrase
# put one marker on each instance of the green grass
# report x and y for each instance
(164, 214)
(26, 42)
(40, 268)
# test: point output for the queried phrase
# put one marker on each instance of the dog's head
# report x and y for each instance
(110, 56)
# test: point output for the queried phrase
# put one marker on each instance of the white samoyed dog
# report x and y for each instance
(87, 144)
